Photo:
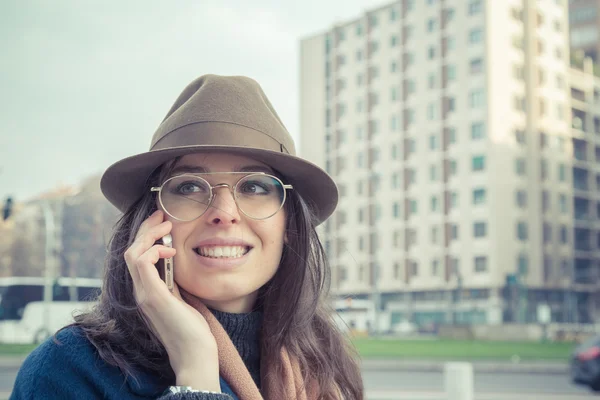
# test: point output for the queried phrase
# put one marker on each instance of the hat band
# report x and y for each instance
(213, 133)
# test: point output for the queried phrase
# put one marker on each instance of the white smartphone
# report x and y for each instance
(167, 240)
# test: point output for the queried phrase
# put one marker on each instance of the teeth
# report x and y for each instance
(222, 251)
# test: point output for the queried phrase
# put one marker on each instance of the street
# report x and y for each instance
(404, 385)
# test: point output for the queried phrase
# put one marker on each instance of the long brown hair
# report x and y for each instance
(298, 292)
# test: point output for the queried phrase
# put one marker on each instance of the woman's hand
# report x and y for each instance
(182, 330)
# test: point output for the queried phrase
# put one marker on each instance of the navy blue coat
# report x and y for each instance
(74, 370)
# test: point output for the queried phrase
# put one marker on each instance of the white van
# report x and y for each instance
(41, 320)
(25, 318)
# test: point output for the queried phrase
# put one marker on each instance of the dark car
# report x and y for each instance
(585, 364)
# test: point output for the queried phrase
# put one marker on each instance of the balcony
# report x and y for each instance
(584, 272)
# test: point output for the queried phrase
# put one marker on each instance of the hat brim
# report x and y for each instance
(123, 182)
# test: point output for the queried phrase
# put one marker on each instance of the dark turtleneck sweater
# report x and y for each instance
(244, 332)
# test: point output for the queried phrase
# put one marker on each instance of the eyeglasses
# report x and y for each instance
(257, 195)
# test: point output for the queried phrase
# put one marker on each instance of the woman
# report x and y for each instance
(247, 317)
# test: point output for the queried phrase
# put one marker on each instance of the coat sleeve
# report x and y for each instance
(196, 396)
(46, 374)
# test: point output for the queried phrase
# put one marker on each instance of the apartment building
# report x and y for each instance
(584, 23)
(447, 126)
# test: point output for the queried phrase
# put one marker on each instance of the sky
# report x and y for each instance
(85, 83)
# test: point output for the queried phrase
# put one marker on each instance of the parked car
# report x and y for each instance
(585, 364)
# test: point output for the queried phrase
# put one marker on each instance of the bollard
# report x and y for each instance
(458, 381)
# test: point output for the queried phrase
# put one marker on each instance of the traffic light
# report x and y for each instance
(8, 208)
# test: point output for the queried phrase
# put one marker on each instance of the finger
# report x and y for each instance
(133, 264)
(154, 219)
(146, 266)
(146, 240)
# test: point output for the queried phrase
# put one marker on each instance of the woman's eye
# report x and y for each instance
(189, 188)
(254, 188)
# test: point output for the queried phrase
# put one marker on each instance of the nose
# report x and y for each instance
(223, 209)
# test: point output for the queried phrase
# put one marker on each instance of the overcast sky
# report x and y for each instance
(85, 83)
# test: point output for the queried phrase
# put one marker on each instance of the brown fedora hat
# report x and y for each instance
(222, 114)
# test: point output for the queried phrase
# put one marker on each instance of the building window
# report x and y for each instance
(433, 142)
(545, 201)
(520, 103)
(433, 173)
(477, 131)
(479, 229)
(394, 41)
(393, 14)
(476, 66)
(413, 206)
(359, 80)
(394, 123)
(451, 135)
(397, 271)
(395, 180)
(521, 198)
(520, 166)
(434, 234)
(476, 98)
(432, 111)
(453, 200)
(478, 163)
(359, 30)
(431, 25)
(475, 36)
(394, 94)
(435, 267)
(519, 72)
(431, 81)
(474, 7)
(454, 232)
(547, 234)
(453, 167)
(478, 196)
(522, 232)
(431, 53)
(564, 235)
(393, 66)
(562, 200)
(414, 268)
(396, 210)
(562, 173)
(522, 265)
(451, 73)
(394, 152)
(434, 203)
(520, 137)
(358, 55)
(481, 264)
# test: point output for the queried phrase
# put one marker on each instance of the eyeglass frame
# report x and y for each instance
(221, 185)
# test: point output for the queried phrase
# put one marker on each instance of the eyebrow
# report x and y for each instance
(202, 170)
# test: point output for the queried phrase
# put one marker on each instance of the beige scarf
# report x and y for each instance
(235, 373)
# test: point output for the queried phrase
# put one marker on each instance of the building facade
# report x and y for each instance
(447, 126)
(584, 23)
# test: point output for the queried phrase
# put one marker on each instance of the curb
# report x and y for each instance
(548, 368)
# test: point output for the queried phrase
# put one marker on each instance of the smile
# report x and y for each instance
(222, 251)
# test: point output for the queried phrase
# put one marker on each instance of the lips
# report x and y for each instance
(222, 251)
(222, 248)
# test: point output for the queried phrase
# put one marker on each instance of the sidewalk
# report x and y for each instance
(540, 367)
